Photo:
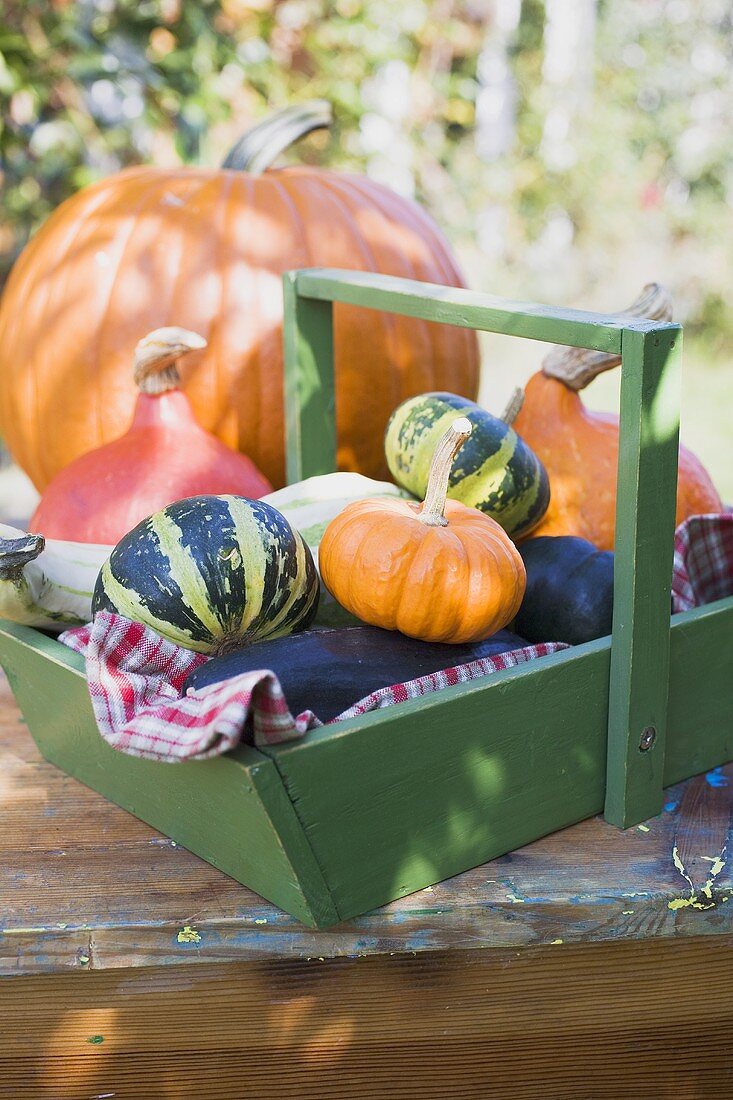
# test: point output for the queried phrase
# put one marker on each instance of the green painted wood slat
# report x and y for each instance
(310, 409)
(398, 799)
(644, 545)
(467, 308)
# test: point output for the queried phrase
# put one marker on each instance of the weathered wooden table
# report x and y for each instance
(594, 964)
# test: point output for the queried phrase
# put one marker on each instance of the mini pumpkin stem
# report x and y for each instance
(446, 449)
(514, 406)
(577, 367)
(156, 355)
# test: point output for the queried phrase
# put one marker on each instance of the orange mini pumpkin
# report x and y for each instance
(579, 448)
(439, 571)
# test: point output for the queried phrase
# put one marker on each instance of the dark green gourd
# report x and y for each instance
(212, 572)
(495, 471)
(569, 594)
(327, 671)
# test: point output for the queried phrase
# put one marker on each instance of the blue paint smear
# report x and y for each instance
(670, 807)
(715, 778)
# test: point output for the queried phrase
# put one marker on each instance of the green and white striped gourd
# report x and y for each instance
(495, 471)
(212, 573)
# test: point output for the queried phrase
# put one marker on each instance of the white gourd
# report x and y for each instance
(47, 584)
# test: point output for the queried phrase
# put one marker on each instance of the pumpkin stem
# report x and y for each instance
(577, 367)
(259, 148)
(15, 554)
(156, 355)
(514, 406)
(433, 507)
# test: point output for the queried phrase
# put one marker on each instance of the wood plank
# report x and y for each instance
(599, 1021)
(468, 309)
(232, 809)
(645, 511)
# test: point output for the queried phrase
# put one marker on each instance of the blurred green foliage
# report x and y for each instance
(570, 184)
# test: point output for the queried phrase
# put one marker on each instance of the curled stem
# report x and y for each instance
(156, 357)
(577, 367)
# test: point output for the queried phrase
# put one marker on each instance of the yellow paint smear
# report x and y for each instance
(706, 891)
(188, 935)
(678, 863)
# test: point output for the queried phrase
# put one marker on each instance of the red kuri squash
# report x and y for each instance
(149, 245)
(164, 456)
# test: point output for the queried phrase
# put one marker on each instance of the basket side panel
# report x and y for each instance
(232, 811)
(412, 796)
(403, 798)
(700, 709)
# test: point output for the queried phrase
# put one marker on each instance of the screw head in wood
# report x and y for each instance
(648, 737)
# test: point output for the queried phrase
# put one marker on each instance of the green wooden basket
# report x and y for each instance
(365, 811)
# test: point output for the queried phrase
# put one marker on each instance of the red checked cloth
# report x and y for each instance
(703, 561)
(136, 677)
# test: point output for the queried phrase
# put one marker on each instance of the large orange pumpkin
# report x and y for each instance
(206, 248)
(579, 448)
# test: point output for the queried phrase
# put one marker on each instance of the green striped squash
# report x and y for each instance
(494, 471)
(211, 573)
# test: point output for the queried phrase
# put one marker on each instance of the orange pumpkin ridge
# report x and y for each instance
(150, 247)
